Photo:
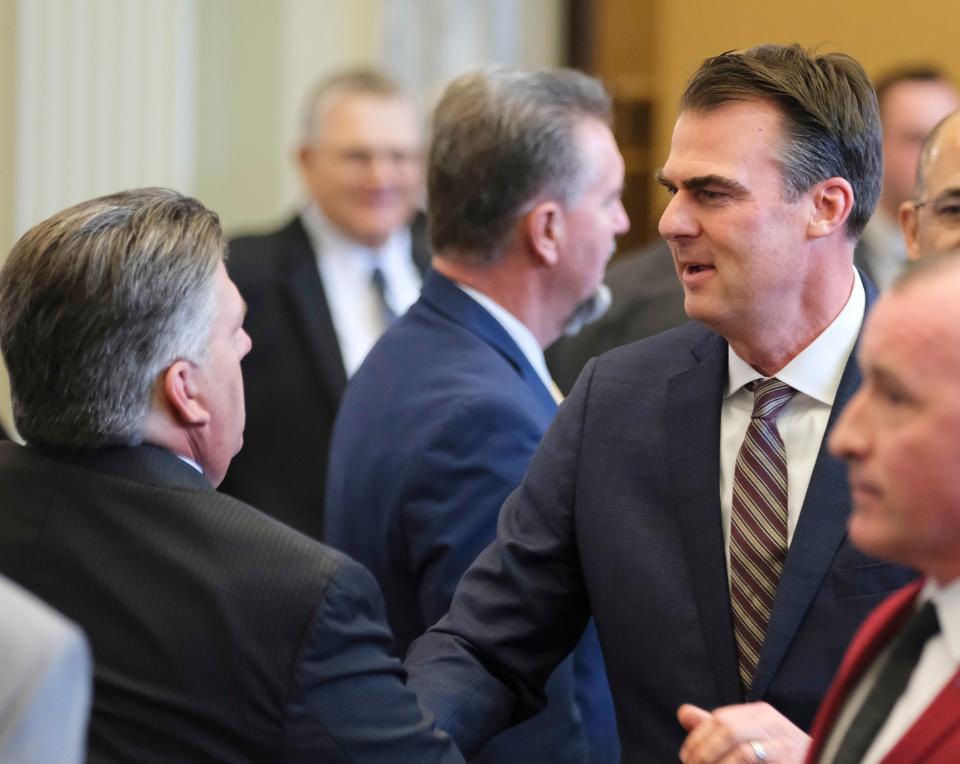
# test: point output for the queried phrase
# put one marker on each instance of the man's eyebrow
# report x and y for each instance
(717, 182)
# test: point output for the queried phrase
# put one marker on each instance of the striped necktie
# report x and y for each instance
(758, 525)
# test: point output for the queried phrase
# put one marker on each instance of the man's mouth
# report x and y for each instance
(693, 268)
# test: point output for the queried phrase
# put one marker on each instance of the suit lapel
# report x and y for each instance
(443, 296)
(303, 289)
(693, 435)
(820, 531)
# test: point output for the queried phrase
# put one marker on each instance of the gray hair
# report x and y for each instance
(501, 140)
(831, 121)
(95, 302)
(350, 82)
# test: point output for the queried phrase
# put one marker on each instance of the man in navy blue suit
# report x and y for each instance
(438, 425)
(632, 508)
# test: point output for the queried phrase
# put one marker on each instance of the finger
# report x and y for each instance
(690, 716)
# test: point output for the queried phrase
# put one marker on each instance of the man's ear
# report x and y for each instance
(544, 228)
(832, 204)
(909, 223)
(181, 391)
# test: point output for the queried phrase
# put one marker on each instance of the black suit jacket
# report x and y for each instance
(218, 634)
(619, 516)
(294, 376)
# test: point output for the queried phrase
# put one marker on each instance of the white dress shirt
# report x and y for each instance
(519, 333)
(346, 270)
(815, 374)
(939, 662)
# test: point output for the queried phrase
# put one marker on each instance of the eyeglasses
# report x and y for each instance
(945, 207)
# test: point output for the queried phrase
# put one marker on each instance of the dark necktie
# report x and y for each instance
(758, 524)
(905, 650)
(379, 283)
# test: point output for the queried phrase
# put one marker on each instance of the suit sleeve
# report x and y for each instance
(521, 607)
(349, 701)
(476, 458)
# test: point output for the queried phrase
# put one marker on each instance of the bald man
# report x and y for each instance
(931, 220)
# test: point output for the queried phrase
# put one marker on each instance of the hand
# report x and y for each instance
(725, 735)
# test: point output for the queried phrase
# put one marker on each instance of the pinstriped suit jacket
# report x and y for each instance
(218, 633)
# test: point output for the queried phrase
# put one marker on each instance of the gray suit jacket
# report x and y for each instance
(44, 682)
(619, 516)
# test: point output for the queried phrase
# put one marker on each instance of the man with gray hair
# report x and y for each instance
(439, 423)
(217, 633)
(322, 289)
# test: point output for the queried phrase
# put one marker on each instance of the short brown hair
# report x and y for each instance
(830, 116)
(95, 302)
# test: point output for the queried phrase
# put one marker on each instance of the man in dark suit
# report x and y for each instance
(438, 425)
(217, 632)
(639, 506)
(321, 290)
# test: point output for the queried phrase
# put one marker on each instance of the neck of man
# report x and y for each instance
(769, 342)
(513, 284)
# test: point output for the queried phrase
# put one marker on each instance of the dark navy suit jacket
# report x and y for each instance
(434, 431)
(619, 516)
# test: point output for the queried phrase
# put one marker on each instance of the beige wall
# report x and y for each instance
(8, 25)
(879, 33)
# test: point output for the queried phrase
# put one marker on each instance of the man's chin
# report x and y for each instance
(588, 311)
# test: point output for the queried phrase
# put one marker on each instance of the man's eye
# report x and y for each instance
(949, 210)
(706, 195)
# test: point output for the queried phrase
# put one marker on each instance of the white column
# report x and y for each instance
(105, 100)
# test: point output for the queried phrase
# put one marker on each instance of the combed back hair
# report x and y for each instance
(829, 111)
(501, 140)
(353, 82)
(909, 73)
(95, 302)
(919, 189)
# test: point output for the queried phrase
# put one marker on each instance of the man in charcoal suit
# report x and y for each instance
(322, 289)
(641, 506)
(217, 632)
(438, 425)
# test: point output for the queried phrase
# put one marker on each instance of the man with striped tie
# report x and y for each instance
(683, 495)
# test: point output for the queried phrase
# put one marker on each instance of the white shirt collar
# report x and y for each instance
(191, 462)
(817, 369)
(518, 332)
(947, 601)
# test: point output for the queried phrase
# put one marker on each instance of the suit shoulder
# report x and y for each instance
(666, 353)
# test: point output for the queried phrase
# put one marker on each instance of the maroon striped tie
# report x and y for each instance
(758, 525)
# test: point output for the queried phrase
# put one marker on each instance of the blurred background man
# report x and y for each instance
(321, 290)
(897, 695)
(438, 425)
(931, 218)
(912, 101)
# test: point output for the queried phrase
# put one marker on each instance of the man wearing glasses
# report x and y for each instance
(931, 220)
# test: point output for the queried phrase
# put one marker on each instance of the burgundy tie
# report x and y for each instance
(758, 525)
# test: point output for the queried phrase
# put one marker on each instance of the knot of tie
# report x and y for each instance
(769, 398)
